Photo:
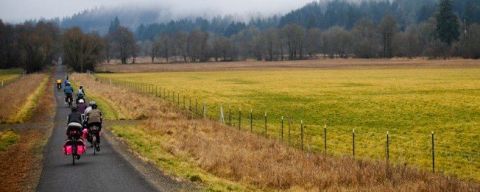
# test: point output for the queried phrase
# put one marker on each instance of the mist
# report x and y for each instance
(16, 11)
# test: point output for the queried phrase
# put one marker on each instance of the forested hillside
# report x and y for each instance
(148, 22)
(336, 28)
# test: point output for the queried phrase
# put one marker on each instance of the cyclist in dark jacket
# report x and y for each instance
(74, 121)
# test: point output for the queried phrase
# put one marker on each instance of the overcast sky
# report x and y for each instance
(21, 10)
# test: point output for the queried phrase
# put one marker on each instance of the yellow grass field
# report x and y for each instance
(408, 102)
(20, 98)
(8, 74)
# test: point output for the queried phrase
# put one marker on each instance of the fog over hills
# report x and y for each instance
(148, 12)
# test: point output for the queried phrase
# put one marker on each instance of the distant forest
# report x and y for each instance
(149, 23)
(337, 28)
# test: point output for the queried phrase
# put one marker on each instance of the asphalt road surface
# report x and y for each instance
(107, 171)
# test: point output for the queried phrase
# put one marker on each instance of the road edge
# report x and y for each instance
(148, 170)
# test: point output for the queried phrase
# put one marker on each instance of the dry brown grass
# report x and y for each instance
(268, 164)
(21, 164)
(320, 63)
(14, 96)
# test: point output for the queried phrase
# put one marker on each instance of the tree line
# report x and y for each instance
(30, 46)
(34, 45)
(441, 35)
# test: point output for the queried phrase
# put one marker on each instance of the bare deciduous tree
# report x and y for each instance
(81, 51)
(295, 36)
(123, 43)
(388, 28)
(313, 41)
(366, 39)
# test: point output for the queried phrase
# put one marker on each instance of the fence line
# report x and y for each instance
(174, 98)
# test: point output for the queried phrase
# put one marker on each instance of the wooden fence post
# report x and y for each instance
(251, 120)
(239, 119)
(388, 148)
(433, 152)
(353, 143)
(204, 111)
(281, 129)
(222, 119)
(266, 128)
(301, 132)
(289, 129)
(325, 139)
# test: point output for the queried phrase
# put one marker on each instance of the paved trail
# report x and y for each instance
(107, 171)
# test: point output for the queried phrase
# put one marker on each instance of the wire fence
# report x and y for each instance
(424, 151)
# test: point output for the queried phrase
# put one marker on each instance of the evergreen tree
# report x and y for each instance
(447, 29)
(114, 25)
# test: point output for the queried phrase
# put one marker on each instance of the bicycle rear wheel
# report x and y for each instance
(74, 153)
(94, 143)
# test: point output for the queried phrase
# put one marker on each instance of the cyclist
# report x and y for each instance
(80, 96)
(89, 108)
(81, 90)
(74, 126)
(59, 83)
(81, 106)
(66, 81)
(94, 117)
(68, 90)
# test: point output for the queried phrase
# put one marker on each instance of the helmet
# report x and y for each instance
(67, 83)
(81, 101)
(74, 108)
(92, 103)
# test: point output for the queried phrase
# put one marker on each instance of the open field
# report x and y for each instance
(8, 74)
(20, 98)
(319, 63)
(21, 145)
(181, 145)
(410, 103)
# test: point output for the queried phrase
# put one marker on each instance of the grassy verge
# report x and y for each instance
(109, 110)
(149, 147)
(7, 138)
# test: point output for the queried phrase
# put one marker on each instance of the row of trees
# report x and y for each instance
(440, 36)
(34, 46)
(30, 46)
